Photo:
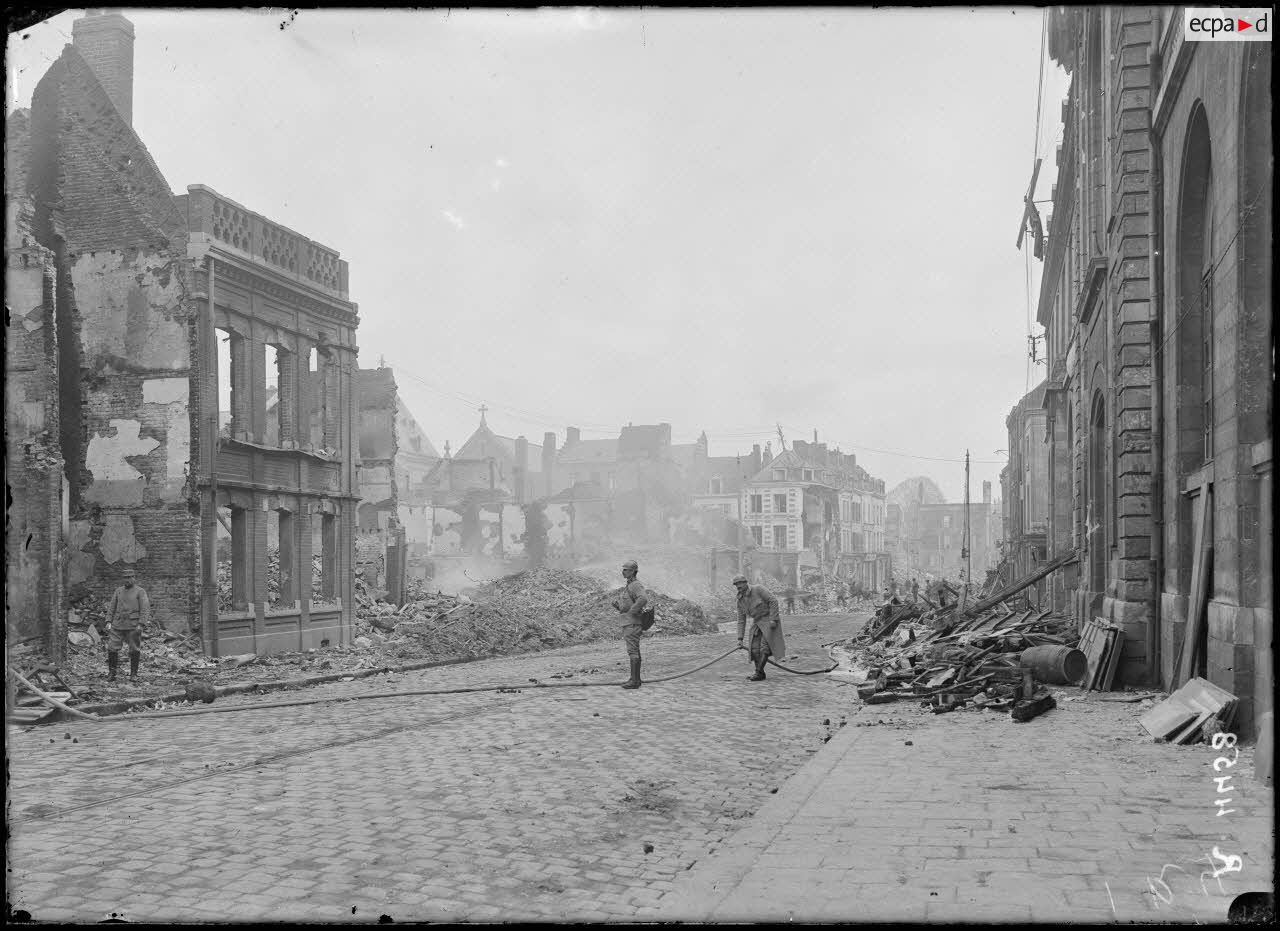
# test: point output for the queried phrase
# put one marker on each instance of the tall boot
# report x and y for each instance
(634, 681)
(133, 665)
(759, 673)
(113, 660)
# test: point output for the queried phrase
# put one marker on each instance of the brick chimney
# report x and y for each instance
(548, 464)
(104, 39)
(571, 435)
(986, 493)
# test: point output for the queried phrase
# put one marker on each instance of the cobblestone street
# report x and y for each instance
(543, 804)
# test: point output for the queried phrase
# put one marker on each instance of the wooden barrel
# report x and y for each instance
(1056, 665)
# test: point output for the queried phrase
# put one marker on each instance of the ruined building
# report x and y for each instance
(814, 508)
(138, 317)
(1024, 485)
(1156, 303)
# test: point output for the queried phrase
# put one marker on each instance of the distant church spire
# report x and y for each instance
(483, 408)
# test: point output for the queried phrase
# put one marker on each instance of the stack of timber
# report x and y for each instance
(1193, 713)
(947, 662)
(980, 654)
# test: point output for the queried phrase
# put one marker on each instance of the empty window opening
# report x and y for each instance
(226, 357)
(232, 540)
(316, 386)
(280, 555)
(271, 398)
(324, 552)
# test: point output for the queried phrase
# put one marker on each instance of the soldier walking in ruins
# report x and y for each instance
(631, 603)
(758, 603)
(127, 612)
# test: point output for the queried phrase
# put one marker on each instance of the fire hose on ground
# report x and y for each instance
(148, 715)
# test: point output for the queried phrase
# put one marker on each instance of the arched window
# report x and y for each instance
(1192, 322)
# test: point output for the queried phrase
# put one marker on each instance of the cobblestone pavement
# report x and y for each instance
(1075, 816)
(538, 804)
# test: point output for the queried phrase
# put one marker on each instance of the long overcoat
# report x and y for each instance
(759, 605)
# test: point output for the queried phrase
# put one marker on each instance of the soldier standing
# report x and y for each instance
(758, 603)
(127, 612)
(630, 603)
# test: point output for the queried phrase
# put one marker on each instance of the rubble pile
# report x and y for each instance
(819, 596)
(949, 660)
(530, 610)
(527, 611)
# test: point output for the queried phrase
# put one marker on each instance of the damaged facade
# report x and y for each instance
(142, 285)
(1024, 485)
(1156, 301)
(815, 508)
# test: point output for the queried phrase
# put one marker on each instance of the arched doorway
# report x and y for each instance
(1191, 322)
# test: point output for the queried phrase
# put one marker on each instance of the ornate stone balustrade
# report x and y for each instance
(260, 240)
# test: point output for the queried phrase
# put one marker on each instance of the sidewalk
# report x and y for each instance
(1076, 816)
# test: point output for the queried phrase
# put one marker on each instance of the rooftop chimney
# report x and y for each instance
(104, 39)
(986, 493)
(571, 435)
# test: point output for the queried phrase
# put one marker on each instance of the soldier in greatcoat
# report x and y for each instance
(127, 613)
(759, 604)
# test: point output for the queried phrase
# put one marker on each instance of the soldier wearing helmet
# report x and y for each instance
(631, 601)
(758, 603)
(128, 611)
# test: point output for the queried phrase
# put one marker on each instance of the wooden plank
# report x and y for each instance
(1093, 644)
(1188, 734)
(1097, 657)
(1169, 716)
(1202, 547)
(1113, 662)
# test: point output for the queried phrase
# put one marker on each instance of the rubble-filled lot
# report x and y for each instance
(527, 611)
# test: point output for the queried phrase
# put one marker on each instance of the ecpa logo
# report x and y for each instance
(1207, 24)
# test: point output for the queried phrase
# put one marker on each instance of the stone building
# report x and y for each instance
(487, 460)
(814, 508)
(1156, 300)
(1024, 484)
(941, 539)
(148, 290)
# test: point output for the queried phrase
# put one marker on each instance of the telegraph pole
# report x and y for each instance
(964, 545)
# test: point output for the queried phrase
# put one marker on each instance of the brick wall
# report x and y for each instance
(34, 602)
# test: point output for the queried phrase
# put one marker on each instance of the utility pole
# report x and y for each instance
(964, 545)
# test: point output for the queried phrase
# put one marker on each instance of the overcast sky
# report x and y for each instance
(724, 219)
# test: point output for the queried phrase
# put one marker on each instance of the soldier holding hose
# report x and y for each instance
(758, 603)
